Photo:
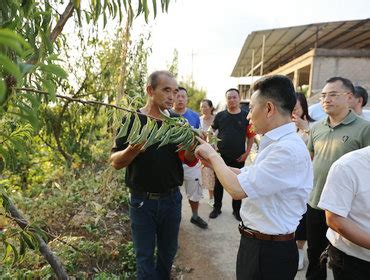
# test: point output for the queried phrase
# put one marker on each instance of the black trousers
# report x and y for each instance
(316, 243)
(219, 190)
(266, 260)
(347, 267)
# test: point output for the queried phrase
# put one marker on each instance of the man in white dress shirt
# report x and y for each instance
(276, 187)
(346, 199)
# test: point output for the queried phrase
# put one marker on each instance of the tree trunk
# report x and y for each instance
(53, 260)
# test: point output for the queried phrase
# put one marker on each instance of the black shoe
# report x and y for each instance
(237, 216)
(214, 214)
(198, 221)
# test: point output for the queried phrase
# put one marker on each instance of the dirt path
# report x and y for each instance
(211, 253)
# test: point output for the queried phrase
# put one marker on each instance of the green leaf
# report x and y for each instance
(124, 128)
(26, 68)
(28, 239)
(54, 69)
(12, 44)
(125, 4)
(119, 10)
(8, 249)
(2, 91)
(114, 6)
(97, 10)
(10, 34)
(167, 3)
(140, 7)
(151, 138)
(76, 4)
(22, 246)
(13, 35)
(135, 130)
(146, 9)
(15, 252)
(87, 16)
(33, 99)
(10, 67)
(27, 7)
(35, 239)
(104, 19)
(53, 57)
(41, 233)
(155, 7)
(130, 12)
(50, 87)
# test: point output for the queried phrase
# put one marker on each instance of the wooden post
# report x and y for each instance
(252, 63)
(262, 54)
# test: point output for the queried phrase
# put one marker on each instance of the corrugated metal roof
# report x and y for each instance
(284, 44)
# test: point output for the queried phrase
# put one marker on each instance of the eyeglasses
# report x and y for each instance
(331, 95)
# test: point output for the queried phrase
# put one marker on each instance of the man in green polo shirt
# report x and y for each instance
(342, 132)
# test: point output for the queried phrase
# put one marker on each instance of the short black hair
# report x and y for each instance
(346, 83)
(361, 92)
(280, 90)
(154, 77)
(232, 89)
(182, 88)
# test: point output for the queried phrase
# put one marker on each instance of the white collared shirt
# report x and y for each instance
(278, 183)
(347, 194)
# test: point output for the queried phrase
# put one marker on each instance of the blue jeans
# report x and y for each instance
(155, 223)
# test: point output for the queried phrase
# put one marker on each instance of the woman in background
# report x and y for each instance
(303, 122)
(206, 119)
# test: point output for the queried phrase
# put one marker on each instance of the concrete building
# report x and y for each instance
(309, 54)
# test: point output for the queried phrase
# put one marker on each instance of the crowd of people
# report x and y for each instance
(308, 182)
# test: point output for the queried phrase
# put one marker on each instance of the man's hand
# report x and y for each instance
(123, 158)
(203, 134)
(204, 151)
(138, 148)
(226, 176)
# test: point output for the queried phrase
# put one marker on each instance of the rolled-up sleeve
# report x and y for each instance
(338, 192)
(275, 173)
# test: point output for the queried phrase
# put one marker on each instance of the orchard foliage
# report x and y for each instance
(30, 41)
(42, 134)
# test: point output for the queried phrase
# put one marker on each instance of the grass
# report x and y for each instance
(87, 210)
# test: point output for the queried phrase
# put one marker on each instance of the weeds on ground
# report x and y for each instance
(86, 212)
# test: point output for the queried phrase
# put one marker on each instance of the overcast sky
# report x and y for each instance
(215, 31)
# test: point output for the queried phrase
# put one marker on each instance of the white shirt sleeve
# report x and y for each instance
(338, 192)
(275, 173)
(244, 169)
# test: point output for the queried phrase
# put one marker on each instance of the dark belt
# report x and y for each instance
(262, 236)
(152, 195)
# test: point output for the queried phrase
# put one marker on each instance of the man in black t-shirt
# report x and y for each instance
(153, 177)
(232, 125)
